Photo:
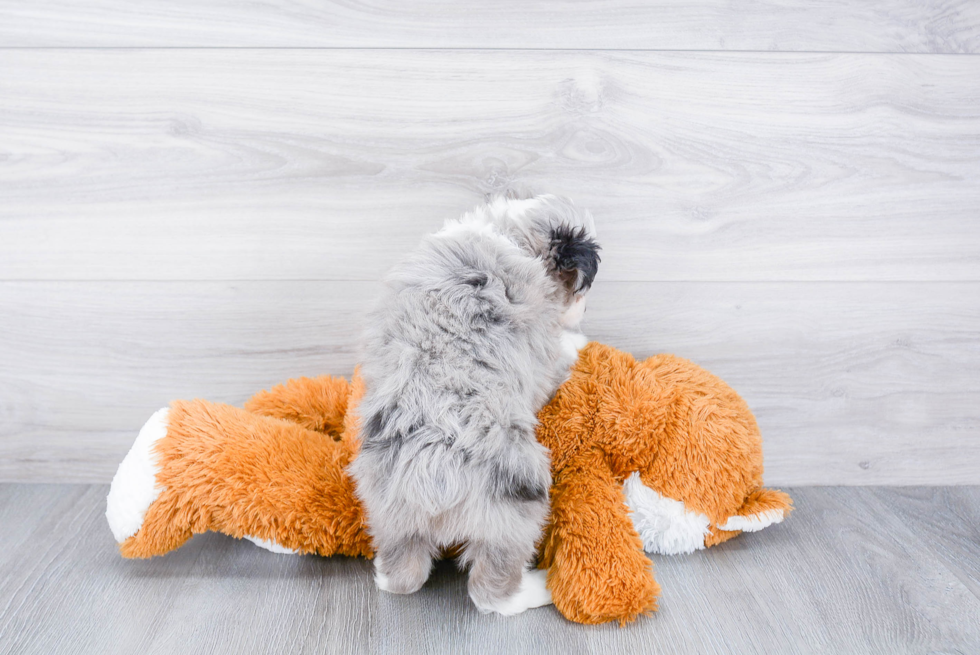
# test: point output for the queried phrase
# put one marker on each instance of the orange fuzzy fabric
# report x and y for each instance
(276, 471)
(686, 432)
(243, 473)
(689, 436)
(597, 570)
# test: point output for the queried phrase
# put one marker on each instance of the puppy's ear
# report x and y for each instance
(575, 257)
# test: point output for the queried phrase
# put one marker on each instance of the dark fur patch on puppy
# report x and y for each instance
(575, 256)
(516, 486)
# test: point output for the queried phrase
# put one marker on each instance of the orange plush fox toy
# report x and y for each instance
(658, 455)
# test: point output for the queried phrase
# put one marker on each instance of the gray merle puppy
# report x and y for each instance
(474, 333)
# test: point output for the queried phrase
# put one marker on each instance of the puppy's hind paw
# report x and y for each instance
(534, 588)
(381, 580)
(532, 593)
(403, 580)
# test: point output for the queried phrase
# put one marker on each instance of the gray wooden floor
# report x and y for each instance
(855, 570)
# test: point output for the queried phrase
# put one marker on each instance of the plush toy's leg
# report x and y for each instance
(315, 403)
(761, 509)
(597, 569)
(217, 467)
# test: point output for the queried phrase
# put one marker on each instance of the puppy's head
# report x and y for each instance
(550, 229)
(561, 235)
(574, 261)
(573, 255)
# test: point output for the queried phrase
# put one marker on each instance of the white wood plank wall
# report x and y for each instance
(197, 199)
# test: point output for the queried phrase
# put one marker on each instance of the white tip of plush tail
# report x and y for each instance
(134, 487)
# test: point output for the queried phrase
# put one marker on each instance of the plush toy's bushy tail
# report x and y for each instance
(135, 487)
(200, 466)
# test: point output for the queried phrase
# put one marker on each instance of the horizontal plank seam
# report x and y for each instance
(485, 49)
(378, 279)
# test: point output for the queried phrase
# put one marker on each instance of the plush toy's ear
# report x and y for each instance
(575, 256)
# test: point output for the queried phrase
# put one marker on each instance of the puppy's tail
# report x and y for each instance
(575, 256)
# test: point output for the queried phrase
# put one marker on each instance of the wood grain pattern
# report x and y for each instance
(66, 589)
(209, 216)
(852, 383)
(84, 363)
(947, 520)
(827, 25)
(843, 574)
(271, 164)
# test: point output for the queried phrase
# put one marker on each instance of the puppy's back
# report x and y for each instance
(460, 356)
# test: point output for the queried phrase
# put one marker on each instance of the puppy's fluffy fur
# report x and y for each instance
(473, 334)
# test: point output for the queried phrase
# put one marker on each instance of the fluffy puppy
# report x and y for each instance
(474, 333)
